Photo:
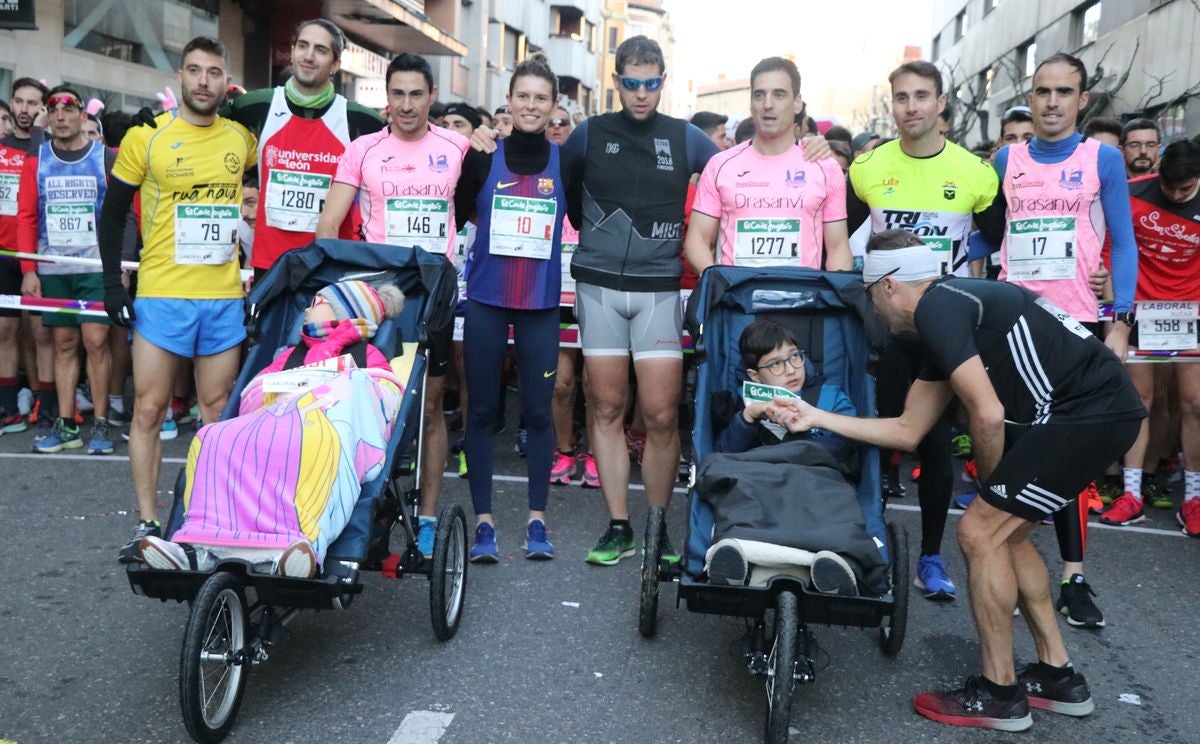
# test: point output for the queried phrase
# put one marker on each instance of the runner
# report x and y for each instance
(461, 118)
(65, 180)
(1139, 144)
(520, 195)
(188, 172)
(503, 121)
(931, 187)
(713, 125)
(403, 178)
(1035, 384)
(303, 128)
(1104, 130)
(28, 95)
(761, 203)
(1166, 227)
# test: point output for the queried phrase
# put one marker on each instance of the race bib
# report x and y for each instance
(757, 392)
(294, 199)
(943, 250)
(1041, 249)
(1167, 326)
(766, 242)
(206, 233)
(568, 253)
(71, 225)
(8, 194)
(419, 221)
(522, 227)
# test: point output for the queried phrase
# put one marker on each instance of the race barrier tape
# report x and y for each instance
(43, 305)
(246, 274)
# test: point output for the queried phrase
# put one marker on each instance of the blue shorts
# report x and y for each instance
(190, 328)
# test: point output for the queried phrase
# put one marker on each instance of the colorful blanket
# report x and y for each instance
(292, 464)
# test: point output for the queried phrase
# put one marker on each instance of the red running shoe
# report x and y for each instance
(635, 442)
(973, 705)
(1124, 511)
(1091, 496)
(591, 476)
(562, 469)
(1189, 516)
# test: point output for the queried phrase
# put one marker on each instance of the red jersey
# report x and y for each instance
(1168, 241)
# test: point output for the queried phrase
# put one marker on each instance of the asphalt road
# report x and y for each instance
(547, 652)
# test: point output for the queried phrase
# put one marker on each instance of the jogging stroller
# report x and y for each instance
(237, 614)
(832, 319)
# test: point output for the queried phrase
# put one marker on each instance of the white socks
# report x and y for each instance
(1133, 482)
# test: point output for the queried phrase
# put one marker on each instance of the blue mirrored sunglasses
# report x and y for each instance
(632, 84)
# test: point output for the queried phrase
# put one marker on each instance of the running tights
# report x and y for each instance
(485, 341)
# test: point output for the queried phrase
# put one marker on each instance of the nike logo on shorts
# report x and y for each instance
(549, 374)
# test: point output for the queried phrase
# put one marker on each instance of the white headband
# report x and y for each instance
(902, 264)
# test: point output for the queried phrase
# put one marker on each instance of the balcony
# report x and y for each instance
(569, 57)
(393, 25)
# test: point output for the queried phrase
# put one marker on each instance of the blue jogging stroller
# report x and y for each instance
(832, 319)
(237, 614)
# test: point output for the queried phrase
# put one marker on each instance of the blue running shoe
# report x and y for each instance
(484, 550)
(61, 437)
(101, 442)
(537, 546)
(426, 532)
(963, 500)
(932, 579)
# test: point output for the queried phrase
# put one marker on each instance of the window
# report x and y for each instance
(608, 99)
(1027, 58)
(960, 25)
(156, 39)
(569, 22)
(613, 42)
(514, 43)
(1086, 24)
(937, 44)
(989, 6)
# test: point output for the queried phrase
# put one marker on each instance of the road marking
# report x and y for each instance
(524, 479)
(422, 727)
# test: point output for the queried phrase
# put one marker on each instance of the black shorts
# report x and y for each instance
(1045, 467)
(10, 284)
(441, 347)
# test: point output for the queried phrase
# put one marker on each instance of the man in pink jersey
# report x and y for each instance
(404, 179)
(772, 207)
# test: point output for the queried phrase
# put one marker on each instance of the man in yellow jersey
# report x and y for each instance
(932, 188)
(188, 171)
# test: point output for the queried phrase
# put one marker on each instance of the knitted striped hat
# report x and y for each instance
(355, 299)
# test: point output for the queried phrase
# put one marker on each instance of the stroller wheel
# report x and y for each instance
(448, 574)
(781, 668)
(651, 557)
(215, 661)
(891, 634)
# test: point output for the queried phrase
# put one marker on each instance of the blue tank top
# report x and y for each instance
(70, 195)
(517, 256)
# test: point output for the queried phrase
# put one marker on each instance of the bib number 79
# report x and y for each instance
(212, 231)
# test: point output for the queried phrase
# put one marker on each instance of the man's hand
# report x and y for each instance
(117, 303)
(793, 414)
(483, 139)
(144, 116)
(1118, 340)
(1098, 282)
(816, 148)
(31, 285)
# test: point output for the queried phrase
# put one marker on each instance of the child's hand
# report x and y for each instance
(755, 412)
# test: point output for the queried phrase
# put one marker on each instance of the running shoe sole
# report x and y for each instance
(73, 444)
(100, 450)
(14, 428)
(1078, 624)
(941, 595)
(728, 566)
(588, 483)
(484, 558)
(160, 556)
(1138, 519)
(596, 561)
(831, 574)
(1077, 710)
(539, 555)
(298, 561)
(999, 724)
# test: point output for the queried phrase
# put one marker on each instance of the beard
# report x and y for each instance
(200, 107)
(1141, 165)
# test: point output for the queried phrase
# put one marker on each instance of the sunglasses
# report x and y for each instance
(318, 300)
(65, 101)
(867, 289)
(559, 122)
(632, 84)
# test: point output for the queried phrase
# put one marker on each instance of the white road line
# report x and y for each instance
(525, 479)
(422, 727)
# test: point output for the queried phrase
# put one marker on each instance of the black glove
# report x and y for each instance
(144, 116)
(117, 303)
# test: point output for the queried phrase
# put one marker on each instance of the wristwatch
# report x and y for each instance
(1125, 317)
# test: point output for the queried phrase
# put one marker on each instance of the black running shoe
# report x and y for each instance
(1069, 697)
(131, 552)
(973, 705)
(1075, 601)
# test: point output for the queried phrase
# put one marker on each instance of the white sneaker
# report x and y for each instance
(298, 560)
(83, 400)
(164, 554)
(831, 574)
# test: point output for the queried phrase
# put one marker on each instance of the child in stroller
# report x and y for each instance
(772, 357)
(275, 485)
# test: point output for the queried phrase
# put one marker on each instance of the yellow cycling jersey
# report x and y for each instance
(933, 197)
(190, 182)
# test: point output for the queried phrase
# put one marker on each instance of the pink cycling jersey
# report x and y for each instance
(772, 208)
(406, 189)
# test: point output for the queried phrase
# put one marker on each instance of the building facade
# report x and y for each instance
(623, 19)
(1142, 57)
(124, 51)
